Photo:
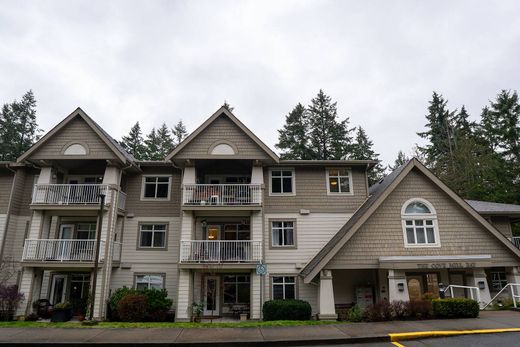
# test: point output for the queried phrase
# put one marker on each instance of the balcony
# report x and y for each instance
(220, 252)
(516, 241)
(66, 250)
(73, 195)
(218, 195)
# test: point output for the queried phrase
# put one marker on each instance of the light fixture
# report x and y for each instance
(481, 285)
(204, 223)
(400, 287)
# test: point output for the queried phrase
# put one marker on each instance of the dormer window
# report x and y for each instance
(75, 149)
(419, 221)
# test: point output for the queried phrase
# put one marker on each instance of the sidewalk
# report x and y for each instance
(302, 335)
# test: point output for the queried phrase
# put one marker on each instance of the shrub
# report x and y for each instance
(420, 309)
(355, 314)
(158, 303)
(31, 317)
(342, 314)
(381, 310)
(132, 308)
(10, 297)
(287, 309)
(455, 308)
(429, 296)
(400, 309)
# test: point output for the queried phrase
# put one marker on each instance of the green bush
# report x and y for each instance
(287, 309)
(355, 314)
(419, 309)
(132, 308)
(455, 308)
(158, 303)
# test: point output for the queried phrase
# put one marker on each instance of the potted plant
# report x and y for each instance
(196, 311)
(62, 312)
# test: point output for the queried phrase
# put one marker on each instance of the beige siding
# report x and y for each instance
(222, 129)
(6, 182)
(503, 224)
(15, 237)
(311, 193)
(159, 208)
(77, 130)
(312, 233)
(382, 234)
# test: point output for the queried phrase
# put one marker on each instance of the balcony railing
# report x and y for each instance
(201, 251)
(516, 241)
(65, 250)
(222, 194)
(69, 194)
(121, 202)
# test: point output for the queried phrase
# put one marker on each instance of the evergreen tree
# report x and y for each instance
(293, 137)
(133, 143)
(165, 141)
(153, 146)
(329, 139)
(362, 149)
(399, 161)
(18, 127)
(228, 106)
(179, 133)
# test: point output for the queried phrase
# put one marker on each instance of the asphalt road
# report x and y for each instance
(479, 340)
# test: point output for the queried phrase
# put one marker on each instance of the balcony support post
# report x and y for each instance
(96, 255)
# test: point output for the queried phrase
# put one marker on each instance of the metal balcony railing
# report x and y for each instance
(69, 194)
(203, 251)
(66, 250)
(222, 194)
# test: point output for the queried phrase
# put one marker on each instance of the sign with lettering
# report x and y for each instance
(447, 265)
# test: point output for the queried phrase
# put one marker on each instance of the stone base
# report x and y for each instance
(327, 316)
(182, 320)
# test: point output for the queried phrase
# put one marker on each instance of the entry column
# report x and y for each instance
(479, 280)
(327, 306)
(397, 287)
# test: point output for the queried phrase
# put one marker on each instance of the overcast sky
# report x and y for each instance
(161, 61)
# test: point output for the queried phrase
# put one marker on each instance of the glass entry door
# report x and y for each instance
(211, 296)
(58, 289)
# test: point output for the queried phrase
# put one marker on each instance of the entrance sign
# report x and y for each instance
(446, 265)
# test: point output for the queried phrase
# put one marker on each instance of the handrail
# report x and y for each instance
(451, 286)
(222, 194)
(513, 295)
(69, 194)
(220, 251)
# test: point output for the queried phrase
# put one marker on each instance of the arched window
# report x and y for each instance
(420, 227)
(75, 149)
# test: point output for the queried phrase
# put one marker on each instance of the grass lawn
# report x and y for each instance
(111, 325)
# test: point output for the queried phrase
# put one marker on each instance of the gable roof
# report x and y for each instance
(223, 111)
(494, 208)
(378, 193)
(120, 153)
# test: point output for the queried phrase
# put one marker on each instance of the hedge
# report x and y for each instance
(455, 308)
(157, 308)
(287, 309)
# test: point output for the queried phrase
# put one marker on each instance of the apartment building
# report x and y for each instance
(199, 223)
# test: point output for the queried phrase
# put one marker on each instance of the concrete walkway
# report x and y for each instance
(304, 335)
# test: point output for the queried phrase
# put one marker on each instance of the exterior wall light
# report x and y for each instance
(481, 285)
(400, 287)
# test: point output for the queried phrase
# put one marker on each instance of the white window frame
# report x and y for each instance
(283, 221)
(143, 184)
(136, 277)
(293, 193)
(153, 231)
(499, 280)
(283, 284)
(350, 185)
(424, 217)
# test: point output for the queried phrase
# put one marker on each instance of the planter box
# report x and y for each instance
(59, 315)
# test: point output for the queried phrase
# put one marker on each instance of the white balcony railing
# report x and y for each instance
(69, 194)
(121, 202)
(201, 251)
(516, 241)
(64, 250)
(222, 194)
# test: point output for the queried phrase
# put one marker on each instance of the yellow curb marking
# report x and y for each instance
(423, 334)
(397, 344)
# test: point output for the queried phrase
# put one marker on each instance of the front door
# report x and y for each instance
(79, 291)
(211, 296)
(415, 287)
(58, 289)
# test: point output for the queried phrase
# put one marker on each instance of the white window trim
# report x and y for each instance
(143, 198)
(271, 181)
(351, 186)
(162, 275)
(421, 216)
(283, 284)
(271, 221)
(165, 231)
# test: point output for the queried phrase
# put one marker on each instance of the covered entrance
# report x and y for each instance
(226, 295)
(71, 287)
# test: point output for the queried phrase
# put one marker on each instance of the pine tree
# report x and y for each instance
(228, 106)
(133, 143)
(153, 146)
(165, 141)
(399, 161)
(362, 149)
(329, 139)
(18, 127)
(179, 133)
(293, 137)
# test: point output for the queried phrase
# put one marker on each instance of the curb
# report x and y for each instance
(442, 333)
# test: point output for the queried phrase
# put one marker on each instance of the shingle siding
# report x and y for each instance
(222, 129)
(503, 224)
(311, 193)
(382, 234)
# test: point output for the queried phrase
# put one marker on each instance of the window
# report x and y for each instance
(149, 281)
(237, 232)
(284, 287)
(86, 231)
(419, 224)
(236, 289)
(156, 187)
(498, 280)
(282, 233)
(282, 181)
(339, 181)
(152, 236)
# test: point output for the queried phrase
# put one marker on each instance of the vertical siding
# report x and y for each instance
(222, 129)
(311, 193)
(76, 130)
(382, 234)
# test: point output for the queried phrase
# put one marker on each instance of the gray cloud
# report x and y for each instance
(159, 61)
